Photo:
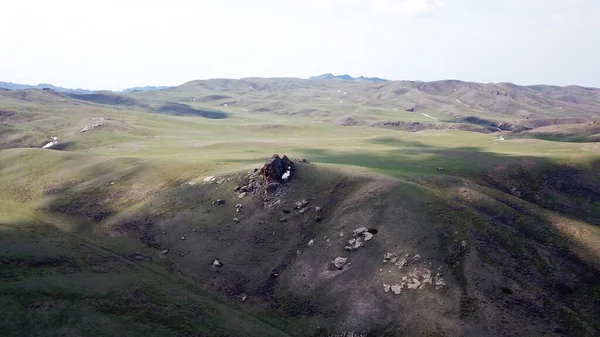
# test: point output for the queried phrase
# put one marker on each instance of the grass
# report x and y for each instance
(66, 271)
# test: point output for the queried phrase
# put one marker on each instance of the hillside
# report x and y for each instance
(442, 208)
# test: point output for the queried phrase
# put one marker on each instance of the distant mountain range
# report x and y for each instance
(17, 86)
(347, 77)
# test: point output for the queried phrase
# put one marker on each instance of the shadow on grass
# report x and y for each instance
(392, 141)
(178, 109)
(63, 146)
(104, 98)
(567, 138)
(530, 256)
(569, 189)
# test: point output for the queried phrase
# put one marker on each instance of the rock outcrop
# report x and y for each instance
(277, 171)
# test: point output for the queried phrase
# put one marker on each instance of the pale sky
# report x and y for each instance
(112, 44)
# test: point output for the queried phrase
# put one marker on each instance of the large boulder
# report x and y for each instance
(277, 171)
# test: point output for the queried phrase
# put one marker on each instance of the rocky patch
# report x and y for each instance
(347, 121)
(93, 126)
(339, 262)
(360, 236)
(409, 273)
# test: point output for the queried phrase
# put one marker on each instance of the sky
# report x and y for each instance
(114, 44)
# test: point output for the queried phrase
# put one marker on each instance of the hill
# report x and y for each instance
(347, 77)
(16, 86)
(442, 208)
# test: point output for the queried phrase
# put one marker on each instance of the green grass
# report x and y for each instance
(64, 273)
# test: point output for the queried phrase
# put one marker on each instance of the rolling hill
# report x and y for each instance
(443, 208)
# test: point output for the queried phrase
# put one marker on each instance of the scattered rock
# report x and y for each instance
(413, 283)
(284, 219)
(301, 204)
(359, 231)
(417, 257)
(183, 237)
(317, 209)
(244, 297)
(236, 220)
(220, 181)
(397, 289)
(302, 160)
(48, 144)
(410, 109)
(440, 168)
(339, 262)
(353, 244)
(388, 256)
(439, 282)
(241, 195)
(386, 287)
(403, 263)
(298, 252)
(90, 127)
(311, 243)
(514, 191)
(165, 251)
(318, 218)
(361, 235)
(184, 253)
(219, 202)
(216, 263)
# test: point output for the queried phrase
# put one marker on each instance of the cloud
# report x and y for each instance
(386, 7)
(405, 7)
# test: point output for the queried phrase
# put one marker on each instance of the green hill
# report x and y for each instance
(480, 203)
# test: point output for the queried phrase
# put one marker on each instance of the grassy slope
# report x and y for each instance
(152, 158)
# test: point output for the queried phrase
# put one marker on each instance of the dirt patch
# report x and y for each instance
(418, 126)
(5, 116)
(347, 121)
(215, 98)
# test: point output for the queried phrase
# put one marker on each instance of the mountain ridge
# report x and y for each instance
(19, 86)
(330, 76)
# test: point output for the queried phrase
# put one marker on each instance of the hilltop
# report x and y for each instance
(347, 77)
(443, 208)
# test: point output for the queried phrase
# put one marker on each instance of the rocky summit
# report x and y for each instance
(277, 171)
